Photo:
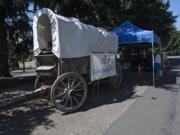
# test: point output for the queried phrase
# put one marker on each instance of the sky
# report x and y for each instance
(175, 8)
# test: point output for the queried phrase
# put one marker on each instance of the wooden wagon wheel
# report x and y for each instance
(69, 92)
(116, 81)
(38, 83)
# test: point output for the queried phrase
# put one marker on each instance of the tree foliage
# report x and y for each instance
(15, 31)
(148, 14)
(16, 20)
(174, 42)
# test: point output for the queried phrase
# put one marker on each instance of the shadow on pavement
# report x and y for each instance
(8, 94)
(107, 95)
(24, 118)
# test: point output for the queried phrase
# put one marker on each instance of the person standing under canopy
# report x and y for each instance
(158, 65)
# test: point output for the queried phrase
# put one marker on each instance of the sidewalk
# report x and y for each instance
(18, 77)
(21, 73)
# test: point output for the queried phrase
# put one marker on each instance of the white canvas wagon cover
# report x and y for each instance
(69, 37)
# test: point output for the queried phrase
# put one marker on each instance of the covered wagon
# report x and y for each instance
(70, 56)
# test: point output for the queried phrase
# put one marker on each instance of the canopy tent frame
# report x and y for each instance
(131, 34)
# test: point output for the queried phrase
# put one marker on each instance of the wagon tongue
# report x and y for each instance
(43, 88)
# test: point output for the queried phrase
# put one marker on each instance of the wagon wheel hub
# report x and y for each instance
(69, 91)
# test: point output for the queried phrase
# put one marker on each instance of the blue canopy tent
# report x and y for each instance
(128, 34)
(131, 35)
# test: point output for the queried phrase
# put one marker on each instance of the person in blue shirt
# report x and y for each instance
(158, 65)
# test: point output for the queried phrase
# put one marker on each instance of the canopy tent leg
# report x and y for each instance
(153, 64)
(162, 60)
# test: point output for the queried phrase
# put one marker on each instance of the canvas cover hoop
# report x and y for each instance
(70, 38)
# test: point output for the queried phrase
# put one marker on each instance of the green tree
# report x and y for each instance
(148, 14)
(154, 15)
(174, 42)
(14, 27)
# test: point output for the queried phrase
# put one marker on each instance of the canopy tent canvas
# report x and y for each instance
(128, 34)
(69, 37)
(131, 35)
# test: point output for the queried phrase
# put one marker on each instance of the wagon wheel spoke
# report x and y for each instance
(59, 88)
(73, 82)
(80, 89)
(69, 85)
(63, 98)
(75, 99)
(67, 99)
(60, 95)
(63, 84)
(77, 85)
(79, 95)
(71, 101)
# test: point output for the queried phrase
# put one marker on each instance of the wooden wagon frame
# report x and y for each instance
(65, 63)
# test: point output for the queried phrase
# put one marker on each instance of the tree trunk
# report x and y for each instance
(4, 65)
(23, 64)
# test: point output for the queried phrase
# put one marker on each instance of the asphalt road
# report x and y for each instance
(157, 112)
(135, 109)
